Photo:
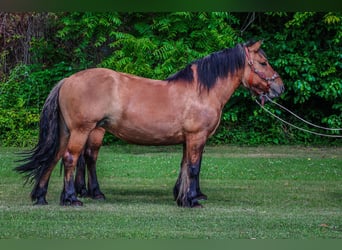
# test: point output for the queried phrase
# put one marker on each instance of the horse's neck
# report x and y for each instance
(225, 87)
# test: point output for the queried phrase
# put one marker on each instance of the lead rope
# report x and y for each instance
(248, 21)
(292, 125)
(307, 122)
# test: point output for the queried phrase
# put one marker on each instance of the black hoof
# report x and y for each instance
(99, 197)
(74, 203)
(201, 197)
(41, 202)
(96, 194)
(70, 200)
(82, 192)
(189, 203)
(196, 204)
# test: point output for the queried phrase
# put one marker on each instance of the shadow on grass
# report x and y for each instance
(139, 195)
(336, 196)
(164, 195)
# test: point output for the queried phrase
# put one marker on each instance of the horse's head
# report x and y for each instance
(259, 76)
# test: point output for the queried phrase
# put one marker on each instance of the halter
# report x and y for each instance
(260, 74)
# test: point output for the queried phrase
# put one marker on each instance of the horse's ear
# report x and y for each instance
(256, 46)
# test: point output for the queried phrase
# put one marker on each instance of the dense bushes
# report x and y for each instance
(305, 49)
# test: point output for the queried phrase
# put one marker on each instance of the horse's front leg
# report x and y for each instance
(176, 189)
(187, 185)
(200, 195)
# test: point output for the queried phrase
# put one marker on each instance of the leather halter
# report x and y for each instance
(260, 74)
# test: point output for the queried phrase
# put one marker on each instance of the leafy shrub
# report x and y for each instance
(22, 97)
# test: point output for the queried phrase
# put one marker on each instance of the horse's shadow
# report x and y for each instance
(164, 196)
(139, 195)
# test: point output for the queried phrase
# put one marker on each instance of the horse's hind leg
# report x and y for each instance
(39, 191)
(80, 184)
(90, 154)
(74, 148)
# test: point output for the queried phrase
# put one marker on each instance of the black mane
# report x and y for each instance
(216, 65)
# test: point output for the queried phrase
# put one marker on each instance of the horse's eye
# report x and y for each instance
(263, 63)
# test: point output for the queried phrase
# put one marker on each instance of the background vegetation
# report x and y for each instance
(39, 49)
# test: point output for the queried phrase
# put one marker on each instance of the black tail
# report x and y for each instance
(43, 154)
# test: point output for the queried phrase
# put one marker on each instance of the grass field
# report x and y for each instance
(253, 192)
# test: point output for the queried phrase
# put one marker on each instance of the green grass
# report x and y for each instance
(253, 192)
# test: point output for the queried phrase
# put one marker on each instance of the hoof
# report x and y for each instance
(99, 197)
(189, 203)
(74, 203)
(96, 194)
(77, 203)
(196, 204)
(70, 200)
(201, 197)
(82, 193)
(41, 202)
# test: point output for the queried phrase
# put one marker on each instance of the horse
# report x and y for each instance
(183, 109)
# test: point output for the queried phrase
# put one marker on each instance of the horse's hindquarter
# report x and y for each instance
(86, 97)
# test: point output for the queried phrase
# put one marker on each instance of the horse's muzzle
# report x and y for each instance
(276, 89)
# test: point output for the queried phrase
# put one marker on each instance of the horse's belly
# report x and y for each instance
(153, 134)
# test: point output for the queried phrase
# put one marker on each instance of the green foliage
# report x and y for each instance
(85, 36)
(22, 96)
(160, 44)
(305, 48)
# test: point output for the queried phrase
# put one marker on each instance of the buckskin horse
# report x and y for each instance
(183, 109)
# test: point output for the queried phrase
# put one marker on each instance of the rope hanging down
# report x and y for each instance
(248, 21)
(292, 125)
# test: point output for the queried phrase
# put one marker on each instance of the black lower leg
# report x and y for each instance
(200, 195)
(93, 185)
(192, 195)
(176, 188)
(38, 194)
(80, 184)
(68, 195)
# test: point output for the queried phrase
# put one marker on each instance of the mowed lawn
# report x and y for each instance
(283, 192)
